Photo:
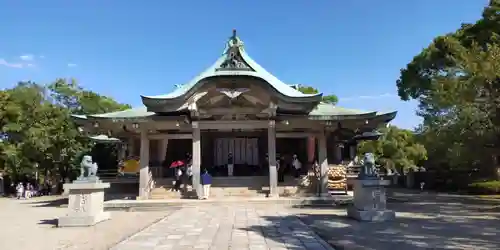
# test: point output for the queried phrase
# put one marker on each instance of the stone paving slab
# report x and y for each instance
(227, 227)
(30, 224)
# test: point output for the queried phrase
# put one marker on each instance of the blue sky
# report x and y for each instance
(354, 49)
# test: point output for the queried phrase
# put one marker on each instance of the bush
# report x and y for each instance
(486, 187)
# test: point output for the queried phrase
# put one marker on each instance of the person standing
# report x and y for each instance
(178, 179)
(297, 165)
(20, 190)
(230, 164)
(281, 169)
(206, 182)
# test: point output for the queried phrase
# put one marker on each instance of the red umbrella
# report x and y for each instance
(176, 164)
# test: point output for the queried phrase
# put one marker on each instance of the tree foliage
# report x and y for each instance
(36, 129)
(333, 99)
(397, 149)
(457, 83)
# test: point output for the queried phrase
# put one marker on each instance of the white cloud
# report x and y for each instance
(5, 63)
(379, 96)
(41, 56)
(27, 57)
(72, 65)
(23, 61)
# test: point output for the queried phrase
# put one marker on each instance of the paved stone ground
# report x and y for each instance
(424, 221)
(30, 224)
(220, 227)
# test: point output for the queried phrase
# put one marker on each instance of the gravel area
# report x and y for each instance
(30, 224)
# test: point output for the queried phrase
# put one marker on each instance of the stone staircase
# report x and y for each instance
(248, 186)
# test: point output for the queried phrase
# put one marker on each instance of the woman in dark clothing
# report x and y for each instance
(281, 169)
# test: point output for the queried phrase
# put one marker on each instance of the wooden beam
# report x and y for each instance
(295, 135)
(170, 136)
(226, 125)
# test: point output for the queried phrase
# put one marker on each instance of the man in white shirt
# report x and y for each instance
(297, 165)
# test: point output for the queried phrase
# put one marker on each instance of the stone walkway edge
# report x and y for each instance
(227, 227)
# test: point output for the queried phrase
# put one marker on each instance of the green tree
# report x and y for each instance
(457, 83)
(333, 99)
(397, 149)
(36, 128)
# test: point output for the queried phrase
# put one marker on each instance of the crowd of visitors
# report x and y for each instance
(26, 189)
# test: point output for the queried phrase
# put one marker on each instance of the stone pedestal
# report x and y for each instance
(370, 201)
(85, 205)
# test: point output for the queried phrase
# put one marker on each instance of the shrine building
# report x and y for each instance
(235, 107)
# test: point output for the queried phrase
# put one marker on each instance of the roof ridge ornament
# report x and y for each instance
(232, 51)
(233, 41)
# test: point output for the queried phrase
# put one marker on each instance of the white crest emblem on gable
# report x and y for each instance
(233, 93)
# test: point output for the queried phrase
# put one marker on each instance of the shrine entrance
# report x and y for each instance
(247, 150)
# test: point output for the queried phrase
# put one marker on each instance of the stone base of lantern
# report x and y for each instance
(370, 201)
(85, 204)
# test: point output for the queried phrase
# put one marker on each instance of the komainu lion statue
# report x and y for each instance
(87, 166)
(368, 169)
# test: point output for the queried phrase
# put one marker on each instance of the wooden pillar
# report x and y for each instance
(144, 175)
(323, 163)
(311, 148)
(162, 151)
(131, 146)
(273, 172)
(196, 158)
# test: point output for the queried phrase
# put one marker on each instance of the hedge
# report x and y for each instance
(486, 187)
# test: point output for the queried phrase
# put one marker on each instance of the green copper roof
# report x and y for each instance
(140, 112)
(323, 111)
(328, 109)
(253, 70)
(104, 139)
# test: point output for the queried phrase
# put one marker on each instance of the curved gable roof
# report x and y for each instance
(255, 70)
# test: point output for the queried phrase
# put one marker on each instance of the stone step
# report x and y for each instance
(161, 193)
(165, 196)
(162, 205)
(248, 186)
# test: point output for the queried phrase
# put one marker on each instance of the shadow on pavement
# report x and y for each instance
(52, 222)
(56, 202)
(423, 222)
